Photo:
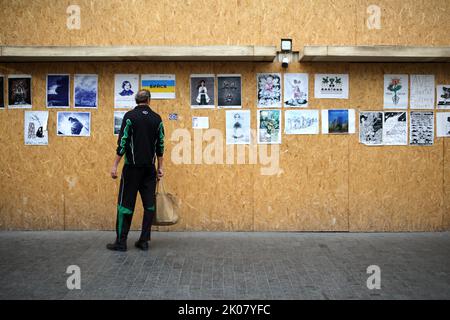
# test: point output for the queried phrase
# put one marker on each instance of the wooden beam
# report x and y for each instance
(374, 54)
(137, 53)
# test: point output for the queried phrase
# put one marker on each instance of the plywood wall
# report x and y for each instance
(325, 182)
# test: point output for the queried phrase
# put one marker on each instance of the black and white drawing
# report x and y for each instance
(422, 91)
(443, 96)
(35, 128)
(443, 124)
(74, 124)
(421, 128)
(58, 91)
(85, 91)
(19, 91)
(331, 86)
(301, 121)
(395, 128)
(229, 91)
(296, 90)
(371, 128)
(202, 91)
(269, 90)
(238, 126)
(118, 118)
(125, 88)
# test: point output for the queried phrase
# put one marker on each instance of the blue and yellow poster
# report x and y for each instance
(161, 86)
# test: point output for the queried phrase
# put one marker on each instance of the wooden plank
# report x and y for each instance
(137, 53)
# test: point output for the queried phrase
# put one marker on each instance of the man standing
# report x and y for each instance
(141, 140)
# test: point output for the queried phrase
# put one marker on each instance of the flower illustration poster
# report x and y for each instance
(395, 91)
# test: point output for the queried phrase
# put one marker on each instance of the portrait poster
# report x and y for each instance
(2, 92)
(331, 86)
(443, 96)
(200, 122)
(269, 90)
(395, 91)
(125, 88)
(73, 124)
(395, 128)
(35, 128)
(301, 122)
(229, 91)
(422, 91)
(118, 118)
(85, 89)
(269, 126)
(19, 91)
(443, 124)
(238, 127)
(58, 91)
(202, 91)
(421, 131)
(371, 128)
(340, 121)
(161, 86)
(296, 90)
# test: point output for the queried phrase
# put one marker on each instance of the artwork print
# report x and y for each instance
(2, 90)
(202, 91)
(395, 91)
(125, 88)
(443, 124)
(75, 124)
(331, 86)
(269, 90)
(296, 90)
(19, 91)
(35, 128)
(371, 128)
(269, 126)
(443, 96)
(161, 86)
(86, 91)
(118, 118)
(339, 121)
(301, 121)
(58, 91)
(422, 91)
(395, 128)
(238, 127)
(421, 128)
(229, 91)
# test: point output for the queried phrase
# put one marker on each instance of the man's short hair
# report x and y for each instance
(143, 96)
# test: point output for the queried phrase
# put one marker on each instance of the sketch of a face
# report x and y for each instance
(126, 86)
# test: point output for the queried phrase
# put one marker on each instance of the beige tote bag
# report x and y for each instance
(166, 207)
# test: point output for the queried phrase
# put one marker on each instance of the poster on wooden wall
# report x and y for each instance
(331, 86)
(371, 128)
(268, 90)
(395, 91)
(443, 124)
(35, 128)
(125, 88)
(341, 121)
(301, 122)
(58, 91)
(2, 90)
(202, 91)
(421, 128)
(118, 118)
(395, 128)
(443, 96)
(296, 90)
(269, 126)
(422, 91)
(238, 127)
(73, 124)
(229, 91)
(200, 122)
(85, 89)
(161, 86)
(19, 91)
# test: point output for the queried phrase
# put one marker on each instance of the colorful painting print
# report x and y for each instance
(58, 86)
(74, 124)
(371, 128)
(296, 90)
(161, 86)
(269, 126)
(443, 96)
(118, 118)
(2, 90)
(421, 128)
(269, 90)
(35, 128)
(301, 121)
(86, 91)
(19, 91)
(331, 86)
(125, 88)
(395, 91)
(229, 91)
(443, 124)
(238, 127)
(422, 91)
(395, 128)
(338, 121)
(202, 91)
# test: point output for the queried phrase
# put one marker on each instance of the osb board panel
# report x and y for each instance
(409, 22)
(222, 22)
(393, 188)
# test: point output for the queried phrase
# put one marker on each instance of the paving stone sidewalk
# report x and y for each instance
(235, 265)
